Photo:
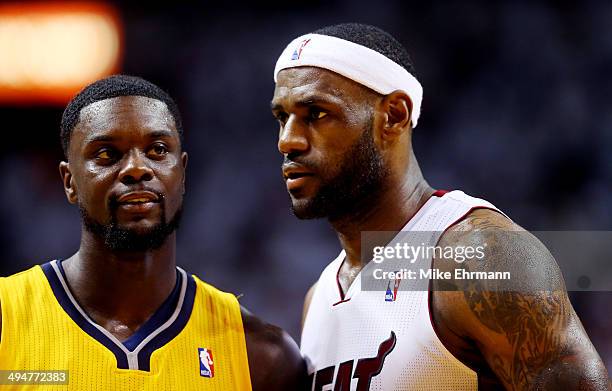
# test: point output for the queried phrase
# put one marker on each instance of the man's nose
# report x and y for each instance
(135, 169)
(292, 138)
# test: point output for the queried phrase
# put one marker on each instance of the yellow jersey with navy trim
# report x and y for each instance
(195, 341)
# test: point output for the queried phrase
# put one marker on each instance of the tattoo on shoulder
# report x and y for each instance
(482, 219)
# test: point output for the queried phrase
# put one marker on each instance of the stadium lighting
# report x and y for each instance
(48, 52)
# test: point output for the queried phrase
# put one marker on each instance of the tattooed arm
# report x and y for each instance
(524, 329)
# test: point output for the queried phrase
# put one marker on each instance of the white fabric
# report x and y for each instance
(354, 61)
(336, 332)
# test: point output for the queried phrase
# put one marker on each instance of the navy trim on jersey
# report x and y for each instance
(71, 310)
(133, 347)
(161, 315)
(144, 356)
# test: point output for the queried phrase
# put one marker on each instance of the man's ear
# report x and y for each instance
(397, 107)
(68, 182)
(184, 159)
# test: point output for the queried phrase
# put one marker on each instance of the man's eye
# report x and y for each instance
(317, 114)
(106, 154)
(159, 150)
(281, 117)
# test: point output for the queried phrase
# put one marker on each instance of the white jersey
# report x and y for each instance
(373, 340)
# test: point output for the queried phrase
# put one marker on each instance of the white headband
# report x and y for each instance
(359, 63)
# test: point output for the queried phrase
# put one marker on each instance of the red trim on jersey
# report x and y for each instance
(429, 293)
(440, 193)
(338, 282)
(437, 193)
(341, 301)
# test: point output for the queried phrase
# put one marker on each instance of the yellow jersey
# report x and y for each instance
(195, 341)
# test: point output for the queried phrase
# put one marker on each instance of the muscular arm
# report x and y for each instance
(275, 362)
(525, 328)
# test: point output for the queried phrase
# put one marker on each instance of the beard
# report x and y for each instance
(354, 189)
(117, 238)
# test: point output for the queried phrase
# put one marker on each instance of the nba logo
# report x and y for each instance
(392, 295)
(298, 52)
(207, 366)
(389, 295)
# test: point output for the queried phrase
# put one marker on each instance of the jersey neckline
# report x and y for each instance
(346, 296)
(152, 335)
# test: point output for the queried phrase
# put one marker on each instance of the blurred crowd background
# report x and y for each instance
(517, 109)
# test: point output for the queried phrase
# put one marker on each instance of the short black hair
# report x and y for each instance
(371, 37)
(112, 87)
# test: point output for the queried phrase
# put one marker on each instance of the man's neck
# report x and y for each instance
(394, 207)
(121, 290)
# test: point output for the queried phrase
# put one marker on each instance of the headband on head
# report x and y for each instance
(356, 62)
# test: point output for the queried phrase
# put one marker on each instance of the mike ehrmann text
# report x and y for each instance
(437, 274)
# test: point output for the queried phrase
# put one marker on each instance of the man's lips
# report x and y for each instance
(294, 172)
(137, 197)
(296, 177)
(140, 202)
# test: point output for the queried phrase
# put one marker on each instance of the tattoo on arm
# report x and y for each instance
(542, 345)
(530, 323)
(532, 316)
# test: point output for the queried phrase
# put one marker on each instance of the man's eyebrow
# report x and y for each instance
(319, 100)
(160, 134)
(308, 101)
(100, 139)
(110, 138)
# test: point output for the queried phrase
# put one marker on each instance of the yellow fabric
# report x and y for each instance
(37, 334)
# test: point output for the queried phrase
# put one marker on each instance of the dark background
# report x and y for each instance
(517, 110)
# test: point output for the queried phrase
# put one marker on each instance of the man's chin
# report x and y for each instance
(141, 235)
(139, 228)
(306, 209)
(122, 239)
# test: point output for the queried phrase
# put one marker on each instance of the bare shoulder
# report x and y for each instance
(524, 325)
(275, 362)
(307, 301)
(504, 247)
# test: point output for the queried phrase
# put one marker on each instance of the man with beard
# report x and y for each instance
(119, 314)
(347, 102)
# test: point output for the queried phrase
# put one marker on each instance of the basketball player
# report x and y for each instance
(347, 101)
(119, 314)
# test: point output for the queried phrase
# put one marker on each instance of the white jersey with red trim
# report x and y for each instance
(365, 340)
